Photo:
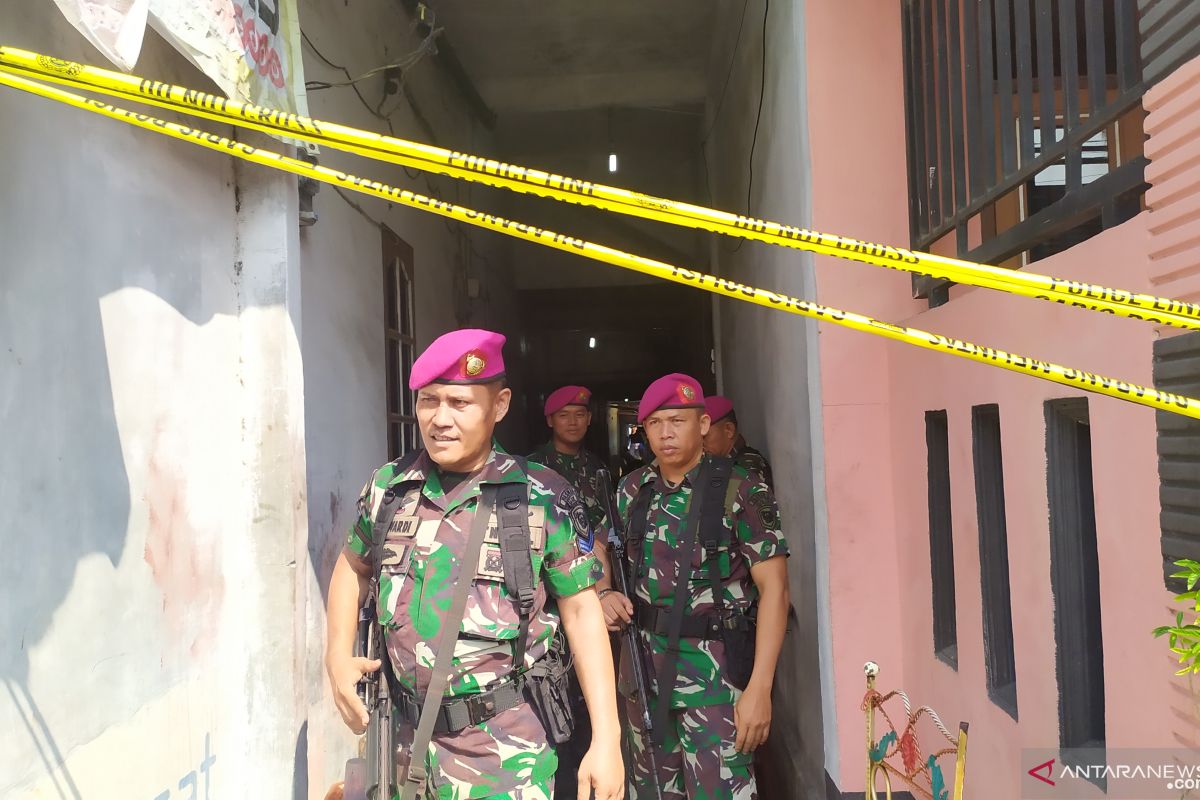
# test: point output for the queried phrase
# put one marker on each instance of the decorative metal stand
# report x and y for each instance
(921, 775)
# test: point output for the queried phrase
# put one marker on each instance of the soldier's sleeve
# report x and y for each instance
(358, 539)
(569, 566)
(759, 532)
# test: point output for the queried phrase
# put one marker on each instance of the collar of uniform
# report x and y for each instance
(415, 473)
(499, 468)
(548, 451)
(654, 473)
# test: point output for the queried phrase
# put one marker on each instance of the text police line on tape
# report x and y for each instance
(1164, 401)
(1156, 310)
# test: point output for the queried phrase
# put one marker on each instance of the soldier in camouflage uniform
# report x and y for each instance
(568, 415)
(712, 728)
(724, 438)
(461, 397)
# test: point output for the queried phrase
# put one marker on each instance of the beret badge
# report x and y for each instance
(474, 364)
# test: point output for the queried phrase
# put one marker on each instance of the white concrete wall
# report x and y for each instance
(343, 340)
(768, 358)
(163, 598)
(153, 465)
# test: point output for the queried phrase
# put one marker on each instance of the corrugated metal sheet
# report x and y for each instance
(1169, 33)
(1177, 369)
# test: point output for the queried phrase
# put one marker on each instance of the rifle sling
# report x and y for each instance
(684, 557)
(415, 780)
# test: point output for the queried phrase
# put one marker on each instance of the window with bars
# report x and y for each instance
(1024, 126)
(399, 344)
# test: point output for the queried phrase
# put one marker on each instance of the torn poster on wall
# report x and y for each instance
(114, 27)
(249, 48)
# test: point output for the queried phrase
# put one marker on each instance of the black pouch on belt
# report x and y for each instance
(738, 628)
(548, 684)
(738, 632)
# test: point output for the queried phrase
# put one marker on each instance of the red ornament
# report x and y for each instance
(909, 751)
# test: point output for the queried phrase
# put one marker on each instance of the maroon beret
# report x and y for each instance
(718, 407)
(468, 355)
(567, 396)
(671, 391)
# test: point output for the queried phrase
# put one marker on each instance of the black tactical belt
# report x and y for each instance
(459, 713)
(653, 619)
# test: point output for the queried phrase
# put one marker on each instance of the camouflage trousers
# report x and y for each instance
(541, 791)
(697, 760)
(505, 758)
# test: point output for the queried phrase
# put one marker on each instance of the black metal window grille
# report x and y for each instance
(941, 538)
(1075, 581)
(999, 658)
(997, 94)
(400, 343)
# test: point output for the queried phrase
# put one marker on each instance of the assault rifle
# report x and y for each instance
(633, 639)
(375, 767)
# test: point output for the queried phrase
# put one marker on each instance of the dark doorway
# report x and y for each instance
(614, 340)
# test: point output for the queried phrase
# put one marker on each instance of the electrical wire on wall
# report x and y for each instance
(762, 91)
(762, 87)
(395, 74)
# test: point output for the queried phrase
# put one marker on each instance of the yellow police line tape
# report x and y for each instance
(1120, 302)
(1087, 381)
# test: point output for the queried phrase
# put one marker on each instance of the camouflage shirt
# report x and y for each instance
(509, 752)
(752, 461)
(580, 471)
(415, 588)
(753, 519)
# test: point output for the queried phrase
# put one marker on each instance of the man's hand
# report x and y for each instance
(618, 611)
(602, 771)
(752, 719)
(344, 675)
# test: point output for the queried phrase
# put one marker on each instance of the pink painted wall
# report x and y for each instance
(855, 118)
(875, 394)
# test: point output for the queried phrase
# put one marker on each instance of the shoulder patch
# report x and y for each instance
(768, 511)
(568, 497)
(570, 502)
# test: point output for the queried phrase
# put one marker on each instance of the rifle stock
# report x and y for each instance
(631, 637)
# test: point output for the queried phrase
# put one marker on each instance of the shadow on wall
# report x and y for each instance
(64, 483)
(65, 488)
